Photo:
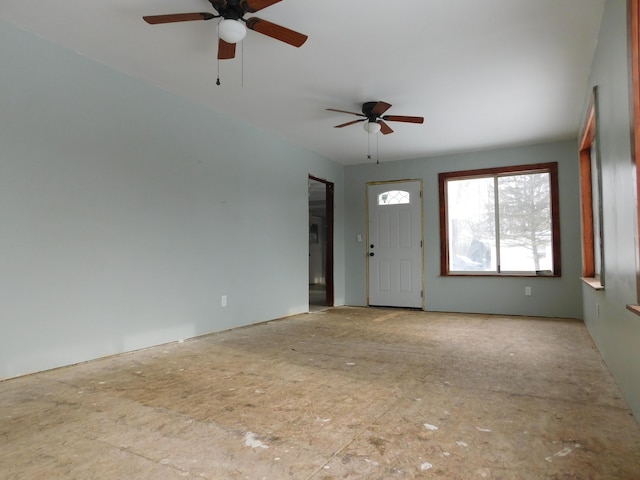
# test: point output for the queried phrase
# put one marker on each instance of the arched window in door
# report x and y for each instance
(394, 197)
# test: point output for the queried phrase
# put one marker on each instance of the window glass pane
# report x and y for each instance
(471, 218)
(595, 204)
(525, 222)
(394, 197)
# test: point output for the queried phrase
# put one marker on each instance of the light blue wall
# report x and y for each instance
(126, 212)
(615, 330)
(559, 297)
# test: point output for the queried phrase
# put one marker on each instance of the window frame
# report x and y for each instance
(444, 177)
(591, 263)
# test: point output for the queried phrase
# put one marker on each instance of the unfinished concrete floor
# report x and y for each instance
(348, 393)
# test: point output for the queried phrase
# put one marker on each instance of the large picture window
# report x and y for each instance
(500, 221)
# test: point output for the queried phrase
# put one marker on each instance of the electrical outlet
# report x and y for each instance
(527, 291)
(223, 301)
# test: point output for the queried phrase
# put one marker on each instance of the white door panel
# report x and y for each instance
(395, 244)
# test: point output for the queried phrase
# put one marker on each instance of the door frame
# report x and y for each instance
(422, 262)
(329, 205)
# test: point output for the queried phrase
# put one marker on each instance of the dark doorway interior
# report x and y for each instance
(320, 242)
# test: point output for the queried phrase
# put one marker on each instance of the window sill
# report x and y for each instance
(634, 308)
(593, 283)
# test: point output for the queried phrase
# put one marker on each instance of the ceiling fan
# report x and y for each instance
(374, 120)
(233, 26)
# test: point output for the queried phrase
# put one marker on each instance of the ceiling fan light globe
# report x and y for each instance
(372, 127)
(232, 31)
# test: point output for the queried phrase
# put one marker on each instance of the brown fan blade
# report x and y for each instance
(349, 123)
(253, 6)
(226, 50)
(276, 31)
(380, 108)
(344, 111)
(384, 128)
(402, 118)
(178, 17)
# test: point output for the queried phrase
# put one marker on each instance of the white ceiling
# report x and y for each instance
(483, 73)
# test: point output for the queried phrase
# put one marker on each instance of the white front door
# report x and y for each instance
(394, 245)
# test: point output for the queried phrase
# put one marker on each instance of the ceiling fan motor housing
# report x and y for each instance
(367, 109)
(231, 9)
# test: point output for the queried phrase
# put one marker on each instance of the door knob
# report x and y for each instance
(371, 246)
(371, 254)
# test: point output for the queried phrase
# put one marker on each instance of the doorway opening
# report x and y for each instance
(321, 292)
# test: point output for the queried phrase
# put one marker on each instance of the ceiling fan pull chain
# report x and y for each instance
(218, 56)
(377, 149)
(242, 65)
